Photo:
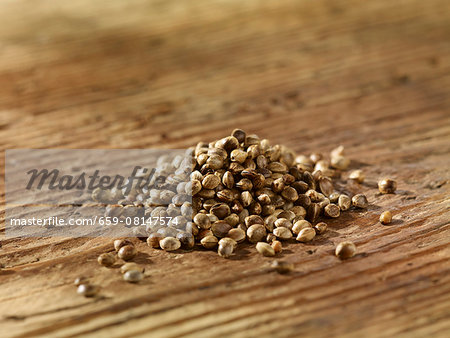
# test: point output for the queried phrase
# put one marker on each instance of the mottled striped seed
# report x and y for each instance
(306, 235)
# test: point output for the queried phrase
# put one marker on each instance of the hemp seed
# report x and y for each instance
(170, 244)
(300, 225)
(239, 134)
(271, 237)
(340, 162)
(345, 250)
(237, 234)
(106, 259)
(238, 155)
(118, 243)
(87, 290)
(344, 202)
(127, 252)
(320, 228)
(153, 240)
(228, 240)
(210, 181)
(306, 235)
(225, 250)
(202, 221)
(277, 246)
(131, 266)
(386, 217)
(256, 232)
(283, 222)
(220, 228)
(133, 276)
(282, 267)
(265, 249)
(387, 186)
(282, 233)
(209, 242)
(332, 210)
(228, 180)
(357, 176)
(360, 201)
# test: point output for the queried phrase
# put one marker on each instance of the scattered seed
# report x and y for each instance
(131, 266)
(87, 290)
(357, 176)
(118, 243)
(340, 162)
(265, 249)
(387, 186)
(306, 235)
(127, 252)
(386, 217)
(282, 267)
(106, 259)
(345, 250)
(360, 201)
(133, 276)
(170, 244)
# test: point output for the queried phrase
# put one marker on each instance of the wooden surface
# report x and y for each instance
(373, 76)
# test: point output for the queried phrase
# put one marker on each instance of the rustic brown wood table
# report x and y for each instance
(373, 76)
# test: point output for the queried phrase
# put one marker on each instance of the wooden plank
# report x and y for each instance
(373, 76)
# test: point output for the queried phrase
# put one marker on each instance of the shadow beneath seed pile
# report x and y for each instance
(241, 253)
(284, 253)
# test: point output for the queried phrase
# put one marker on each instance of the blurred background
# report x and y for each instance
(149, 73)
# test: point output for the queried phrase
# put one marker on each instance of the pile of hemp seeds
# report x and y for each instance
(242, 189)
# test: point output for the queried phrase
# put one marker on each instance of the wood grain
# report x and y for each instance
(373, 76)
